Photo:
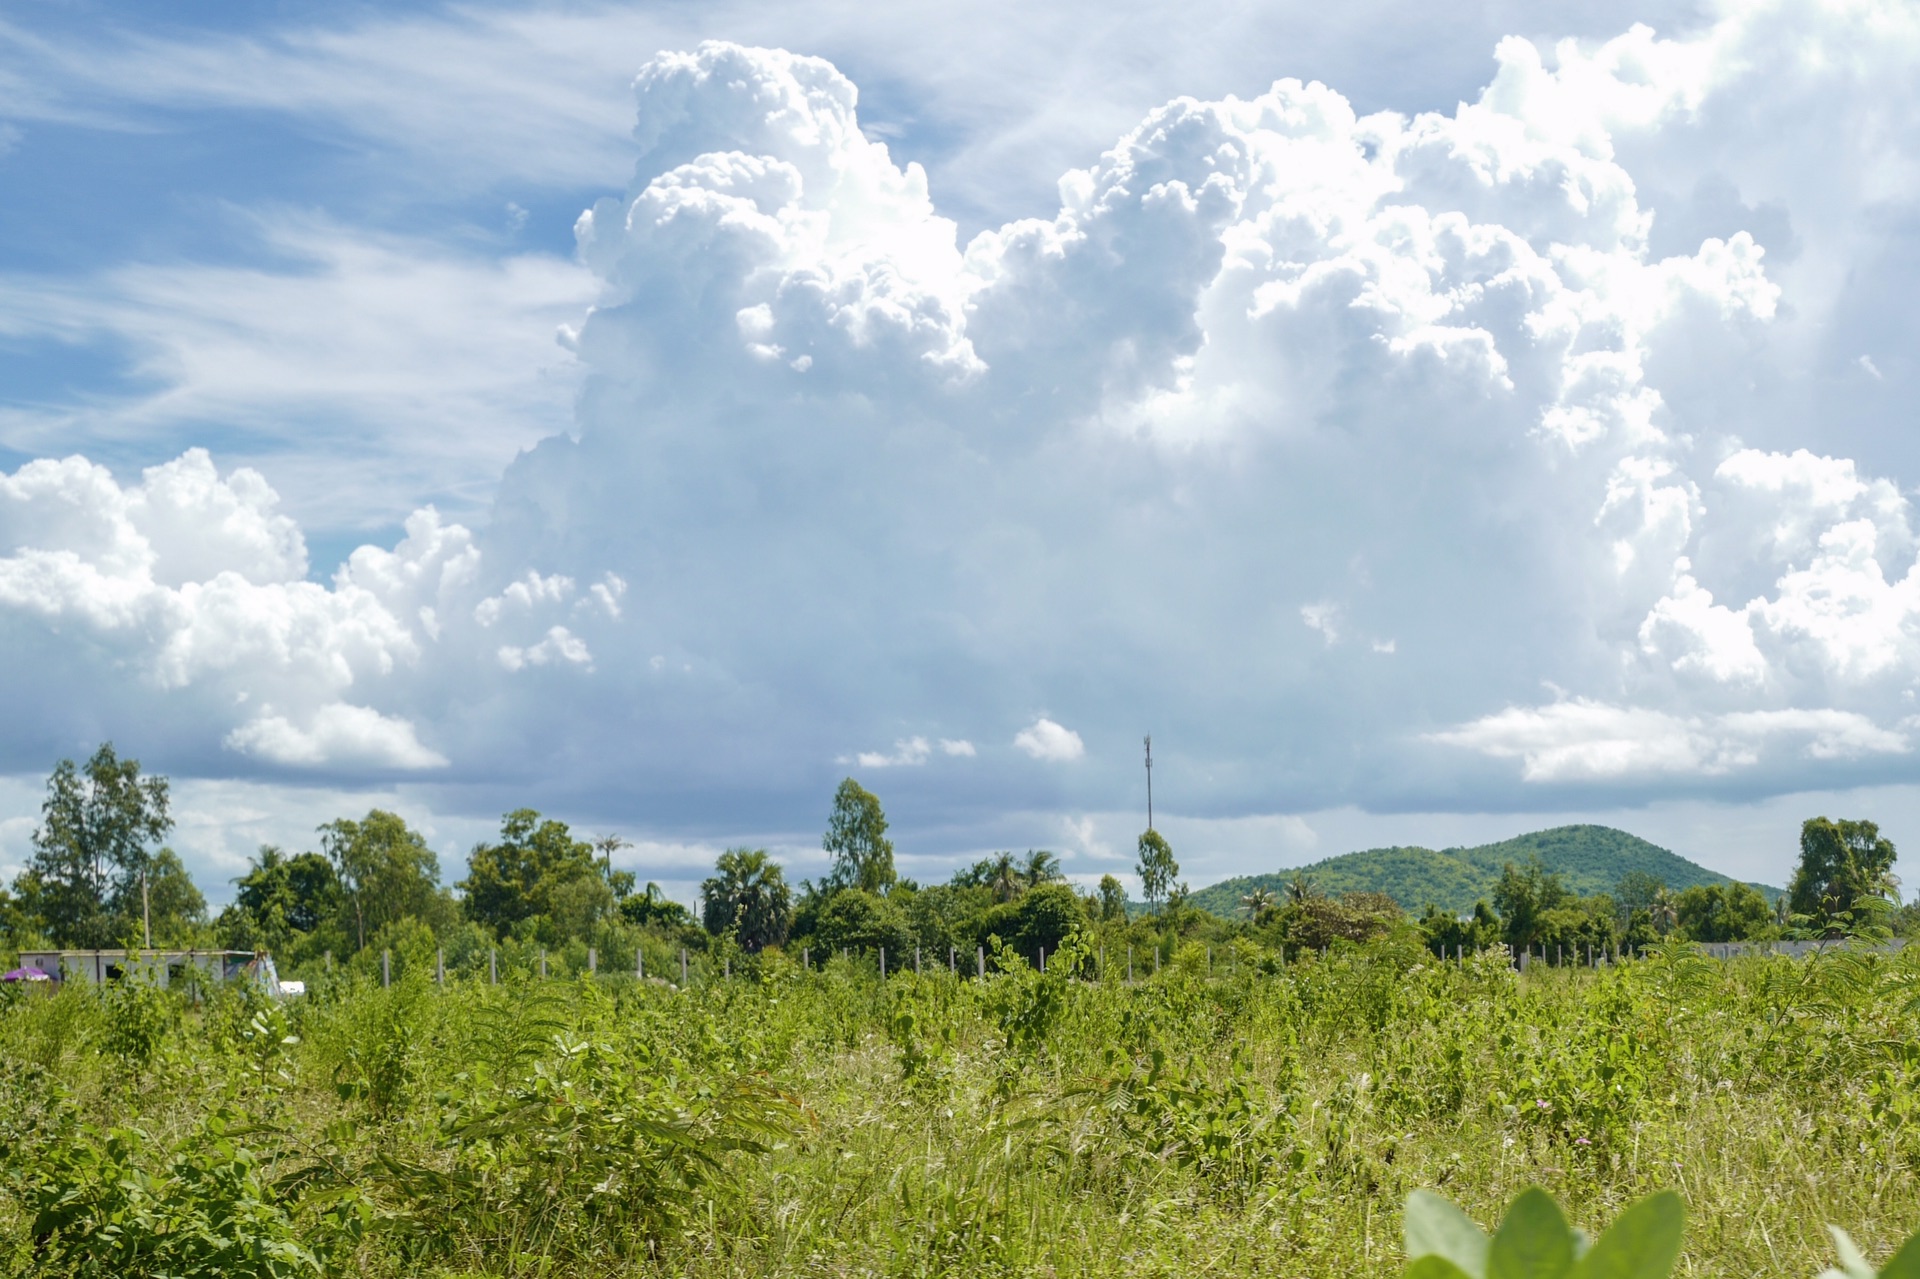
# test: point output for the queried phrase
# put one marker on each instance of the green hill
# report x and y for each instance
(1589, 859)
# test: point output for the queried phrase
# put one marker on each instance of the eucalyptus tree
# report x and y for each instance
(1157, 868)
(857, 841)
(90, 853)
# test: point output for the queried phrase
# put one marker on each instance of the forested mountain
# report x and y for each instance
(1589, 859)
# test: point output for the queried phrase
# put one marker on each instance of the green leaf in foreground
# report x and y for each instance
(1434, 1227)
(1853, 1265)
(1642, 1243)
(1533, 1242)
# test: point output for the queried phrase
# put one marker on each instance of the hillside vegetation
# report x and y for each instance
(1588, 859)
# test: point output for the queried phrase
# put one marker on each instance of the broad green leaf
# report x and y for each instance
(1905, 1263)
(1433, 1266)
(1534, 1242)
(1852, 1264)
(1642, 1242)
(1434, 1227)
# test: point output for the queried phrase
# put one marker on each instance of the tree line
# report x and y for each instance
(101, 876)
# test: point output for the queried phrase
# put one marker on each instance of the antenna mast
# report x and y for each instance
(1149, 781)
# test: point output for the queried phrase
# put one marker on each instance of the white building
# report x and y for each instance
(163, 967)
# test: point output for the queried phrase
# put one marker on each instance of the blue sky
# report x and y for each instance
(1430, 425)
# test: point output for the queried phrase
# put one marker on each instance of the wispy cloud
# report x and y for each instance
(365, 372)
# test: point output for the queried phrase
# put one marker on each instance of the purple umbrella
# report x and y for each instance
(25, 974)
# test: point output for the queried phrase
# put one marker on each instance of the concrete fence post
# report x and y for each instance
(683, 965)
(493, 967)
(440, 967)
(883, 963)
(386, 968)
(980, 959)
(543, 965)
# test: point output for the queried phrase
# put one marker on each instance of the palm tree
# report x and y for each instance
(1041, 867)
(748, 894)
(1003, 878)
(1259, 904)
(1300, 888)
(1665, 916)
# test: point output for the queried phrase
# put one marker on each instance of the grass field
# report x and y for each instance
(1229, 1116)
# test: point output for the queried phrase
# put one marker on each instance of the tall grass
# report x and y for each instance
(1231, 1117)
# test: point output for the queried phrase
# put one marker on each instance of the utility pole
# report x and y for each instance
(1149, 781)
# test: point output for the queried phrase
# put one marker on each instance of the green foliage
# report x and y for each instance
(748, 896)
(1157, 868)
(174, 904)
(281, 901)
(1534, 1241)
(1843, 866)
(102, 1206)
(1904, 1265)
(91, 847)
(1524, 896)
(1722, 913)
(385, 872)
(140, 1019)
(652, 908)
(1037, 920)
(1449, 935)
(537, 872)
(1314, 921)
(1227, 1114)
(1589, 860)
(856, 840)
(856, 920)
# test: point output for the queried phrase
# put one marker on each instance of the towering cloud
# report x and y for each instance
(1366, 459)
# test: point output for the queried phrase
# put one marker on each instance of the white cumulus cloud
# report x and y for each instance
(1045, 740)
(1532, 387)
(336, 734)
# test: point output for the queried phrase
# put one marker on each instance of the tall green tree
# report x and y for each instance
(748, 893)
(1524, 895)
(1040, 867)
(90, 852)
(1636, 890)
(1113, 899)
(174, 902)
(857, 841)
(1843, 864)
(385, 871)
(281, 899)
(1157, 867)
(535, 869)
(1003, 877)
(652, 908)
(1723, 912)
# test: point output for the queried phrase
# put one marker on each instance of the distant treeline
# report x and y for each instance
(100, 876)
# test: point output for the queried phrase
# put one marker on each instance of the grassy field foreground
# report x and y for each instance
(1228, 1116)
